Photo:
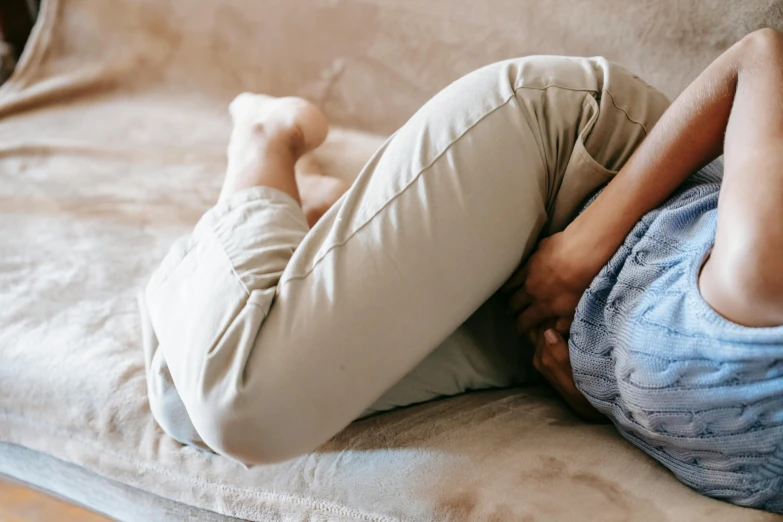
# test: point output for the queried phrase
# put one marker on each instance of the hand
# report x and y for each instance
(552, 281)
(553, 361)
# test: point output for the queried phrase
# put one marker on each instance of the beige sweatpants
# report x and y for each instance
(263, 338)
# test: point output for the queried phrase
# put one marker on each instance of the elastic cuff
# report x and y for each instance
(258, 229)
(242, 198)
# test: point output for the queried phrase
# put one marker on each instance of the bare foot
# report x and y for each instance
(269, 136)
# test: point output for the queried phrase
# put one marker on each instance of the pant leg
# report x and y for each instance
(485, 352)
(276, 340)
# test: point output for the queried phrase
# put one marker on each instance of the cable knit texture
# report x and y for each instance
(700, 394)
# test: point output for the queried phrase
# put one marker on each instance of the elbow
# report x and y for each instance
(765, 44)
(742, 284)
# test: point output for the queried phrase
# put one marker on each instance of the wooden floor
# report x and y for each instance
(21, 504)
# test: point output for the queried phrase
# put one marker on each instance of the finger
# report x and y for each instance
(557, 347)
(556, 375)
(548, 361)
(557, 370)
(551, 371)
(555, 355)
(520, 300)
(530, 318)
(563, 325)
(552, 337)
(517, 279)
(560, 360)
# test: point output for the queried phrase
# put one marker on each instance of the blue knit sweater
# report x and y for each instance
(700, 394)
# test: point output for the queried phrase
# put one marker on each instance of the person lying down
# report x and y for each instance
(294, 309)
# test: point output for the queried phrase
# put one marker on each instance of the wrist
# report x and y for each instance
(592, 248)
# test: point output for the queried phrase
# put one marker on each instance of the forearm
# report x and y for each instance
(688, 136)
(738, 96)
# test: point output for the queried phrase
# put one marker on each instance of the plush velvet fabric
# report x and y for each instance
(112, 138)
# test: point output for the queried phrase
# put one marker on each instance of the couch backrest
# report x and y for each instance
(371, 63)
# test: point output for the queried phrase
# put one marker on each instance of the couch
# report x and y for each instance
(113, 131)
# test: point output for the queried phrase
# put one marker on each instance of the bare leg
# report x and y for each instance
(277, 339)
(269, 136)
(318, 191)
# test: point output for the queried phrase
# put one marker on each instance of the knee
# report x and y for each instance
(165, 403)
(170, 414)
(249, 431)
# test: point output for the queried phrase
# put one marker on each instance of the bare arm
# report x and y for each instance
(738, 96)
(688, 136)
(743, 279)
